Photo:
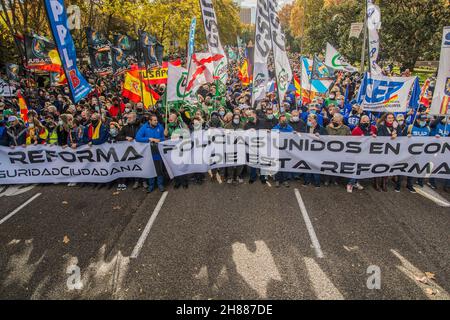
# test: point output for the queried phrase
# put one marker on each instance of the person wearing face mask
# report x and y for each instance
(364, 129)
(51, 126)
(95, 133)
(284, 127)
(354, 117)
(222, 112)
(296, 123)
(37, 133)
(196, 127)
(312, 127)
(16, 132)
(313, 108)
(116, 109)
(440, 128)
(153, 132)
(402, 129)
(234, 174)
(420, 128)
(336, 128)
(114, 132)
(253, 123)
(387, 127)
(216, 123)
(114, 137)
(270, 120)
(331, 99)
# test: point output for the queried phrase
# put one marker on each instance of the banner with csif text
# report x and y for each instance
(351, 157)
(96, 164)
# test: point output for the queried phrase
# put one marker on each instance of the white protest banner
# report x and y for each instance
(356, 29)
(441, 96)
(351, 157)
(385, 94)
(373, 25)
(213, 40)
(336, 61)
(282, 66)
(97, 164)
(263, 47)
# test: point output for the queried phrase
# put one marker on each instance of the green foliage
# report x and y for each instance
(411, 29)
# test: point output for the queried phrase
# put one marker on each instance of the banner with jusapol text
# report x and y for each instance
(385, 94)
(351, 157)
(57, 16)
(96, 164)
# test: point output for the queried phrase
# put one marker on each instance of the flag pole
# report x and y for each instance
(275, 61)
(190, 54)
(363, 51)
(141, 55)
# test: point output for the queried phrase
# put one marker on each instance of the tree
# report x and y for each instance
(167, 20)
(412, 30)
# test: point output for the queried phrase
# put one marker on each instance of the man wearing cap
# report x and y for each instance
(16, 133)
(313, 108)
(420, 128)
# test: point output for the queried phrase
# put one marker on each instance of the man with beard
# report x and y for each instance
(153, 133)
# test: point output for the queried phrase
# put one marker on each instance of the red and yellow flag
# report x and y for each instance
(306, 95)
(244, 74)
(23, 107)
(138, 91)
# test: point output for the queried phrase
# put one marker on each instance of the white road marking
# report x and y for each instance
(9, 216)
(148, 227)
(11, 191)
(321, 284)
(309, 226)
(433, 196)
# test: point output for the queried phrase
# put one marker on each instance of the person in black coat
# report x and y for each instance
(312, 127)
(296, 122)
(16, 133)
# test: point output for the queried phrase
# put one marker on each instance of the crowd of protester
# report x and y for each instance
(106, 117)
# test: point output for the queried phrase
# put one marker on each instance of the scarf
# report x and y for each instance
(94, 133)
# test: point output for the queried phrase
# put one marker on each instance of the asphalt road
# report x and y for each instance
(222, 242)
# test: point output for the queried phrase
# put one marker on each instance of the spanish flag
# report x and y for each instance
(306, 95)
(244, 74)
(298, 86)
(23, 107)
(138, 91)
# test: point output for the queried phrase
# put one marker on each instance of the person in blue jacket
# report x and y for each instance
(284, 127)
(420, 128)
(313, 108)
(153, 133)
(3, 135)
(440, 128)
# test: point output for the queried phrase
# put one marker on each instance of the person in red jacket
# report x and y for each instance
(364, 128)
(116, 109)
